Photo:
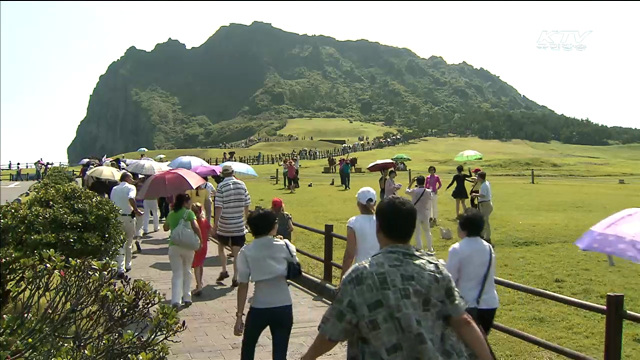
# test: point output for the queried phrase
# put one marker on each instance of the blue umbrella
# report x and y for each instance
(187, 162)
(240, 168)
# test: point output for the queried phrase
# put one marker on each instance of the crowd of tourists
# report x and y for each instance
(445, 310)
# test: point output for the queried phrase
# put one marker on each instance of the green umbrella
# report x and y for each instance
(468, 155)
(401, 157)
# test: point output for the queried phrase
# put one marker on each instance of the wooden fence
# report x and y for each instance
(614, 310)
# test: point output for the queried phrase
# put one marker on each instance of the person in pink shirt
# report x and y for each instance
(434, 184)
(291, 174)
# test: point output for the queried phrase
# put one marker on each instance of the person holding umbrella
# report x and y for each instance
(382, 181)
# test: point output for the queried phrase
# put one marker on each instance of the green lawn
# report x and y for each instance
(534, 229)
(534, 226)
(332, 129)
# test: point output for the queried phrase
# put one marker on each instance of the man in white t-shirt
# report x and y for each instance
(485, 204)
(124, 197)
(421, 198)
(362, 241)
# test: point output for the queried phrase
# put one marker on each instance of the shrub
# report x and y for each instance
(72, 221)
(57, 308)
(57, 300)
(58, 176)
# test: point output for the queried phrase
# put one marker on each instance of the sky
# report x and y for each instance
(53, 53)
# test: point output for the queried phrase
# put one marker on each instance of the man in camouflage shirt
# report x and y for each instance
(400, 304)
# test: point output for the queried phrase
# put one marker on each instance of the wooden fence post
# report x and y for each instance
(328, 253)
(277, 176)
(613, 327)
(533, 177)
(409, 177)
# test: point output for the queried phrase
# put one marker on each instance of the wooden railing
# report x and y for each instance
(614, 310)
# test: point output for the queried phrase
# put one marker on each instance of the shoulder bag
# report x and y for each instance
(184, 236)
(420, 197)
(473, 311)
(294, 270)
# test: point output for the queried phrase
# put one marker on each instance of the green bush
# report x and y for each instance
(58, 176)
(59, 308)
(72, 221)
(59, 296)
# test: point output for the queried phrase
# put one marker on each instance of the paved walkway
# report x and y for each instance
(211, 318)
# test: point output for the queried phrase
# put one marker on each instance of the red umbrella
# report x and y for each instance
(207, 170)
(170, 183)
(381, 165)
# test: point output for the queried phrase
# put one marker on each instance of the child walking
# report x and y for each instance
(201, 254)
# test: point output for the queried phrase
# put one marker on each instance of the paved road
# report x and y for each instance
(210, 319)
(10, 190)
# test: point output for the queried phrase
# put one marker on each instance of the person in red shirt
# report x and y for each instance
(201, 254)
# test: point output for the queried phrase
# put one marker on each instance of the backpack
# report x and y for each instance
(283, 226)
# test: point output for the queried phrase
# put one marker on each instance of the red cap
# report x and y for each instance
(476, 170)
(276, 203)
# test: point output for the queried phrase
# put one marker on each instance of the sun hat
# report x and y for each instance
(366, 195)
(276, 203)
(227, 170)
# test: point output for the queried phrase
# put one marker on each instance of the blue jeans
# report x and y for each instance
(278, 319)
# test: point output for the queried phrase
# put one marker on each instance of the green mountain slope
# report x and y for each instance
(250, 79)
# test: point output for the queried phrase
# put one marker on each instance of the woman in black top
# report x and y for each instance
(383, 181)
(460, 191)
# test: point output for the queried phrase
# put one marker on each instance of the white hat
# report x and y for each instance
(227, 170)
(366, 194)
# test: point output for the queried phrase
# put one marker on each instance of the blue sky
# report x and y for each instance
(53, 53)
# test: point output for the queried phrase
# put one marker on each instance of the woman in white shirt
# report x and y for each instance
(391, 187)
(264, 262)
(362, 242)
(472, 267)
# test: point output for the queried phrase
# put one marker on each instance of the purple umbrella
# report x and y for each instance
(207, 170)
(617, 235)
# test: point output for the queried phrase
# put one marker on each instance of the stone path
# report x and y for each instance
(211, 318)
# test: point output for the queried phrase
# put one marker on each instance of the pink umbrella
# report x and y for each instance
(617, 235)
(170, 183)
(207, 170)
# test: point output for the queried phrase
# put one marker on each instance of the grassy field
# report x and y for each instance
(333, 129)
(534, 226)
(534, 229)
